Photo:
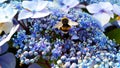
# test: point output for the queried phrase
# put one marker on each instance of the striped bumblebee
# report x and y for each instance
(65, 25)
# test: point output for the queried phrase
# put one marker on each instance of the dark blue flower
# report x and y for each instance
(7, 60)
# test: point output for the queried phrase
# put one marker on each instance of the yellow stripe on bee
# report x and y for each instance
(65, 28)
(118, 18)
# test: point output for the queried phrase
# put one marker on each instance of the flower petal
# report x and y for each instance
(41, 5)
(1, 1)
(111, 14)
(102, 17)
(3, 16)
(8, 61)
(106, 6)
(12, 12)
(3, 48)
(24, 14)
(116, 9)
(34, 66)
(13, 30)
(41, 14)
(71, 3)
(93, 8)
(30, 5)
(75, 37)
(6, 16)
(65, 9)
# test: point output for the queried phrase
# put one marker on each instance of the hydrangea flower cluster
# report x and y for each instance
(85, 45)
(39, 41)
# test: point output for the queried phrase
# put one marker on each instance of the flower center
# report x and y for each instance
(103, 11)
(68, 6)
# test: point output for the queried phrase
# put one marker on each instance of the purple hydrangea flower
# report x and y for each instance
(33, 9)
(102, 11)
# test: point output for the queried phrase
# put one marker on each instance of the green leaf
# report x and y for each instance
(114, 34)
(113, 19)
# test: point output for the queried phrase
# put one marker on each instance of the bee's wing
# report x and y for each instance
(72, 23)
(58, 25)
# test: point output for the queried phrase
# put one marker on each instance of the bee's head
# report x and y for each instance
(65, 20)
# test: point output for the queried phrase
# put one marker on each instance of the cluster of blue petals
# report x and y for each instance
(84, 46)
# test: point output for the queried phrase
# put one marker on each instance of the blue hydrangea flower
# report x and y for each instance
(92, 40)
(30, 46)
(85, 45)
(102, 11)
(34, 9)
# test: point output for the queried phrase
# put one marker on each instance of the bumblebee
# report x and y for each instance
(65, 24)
